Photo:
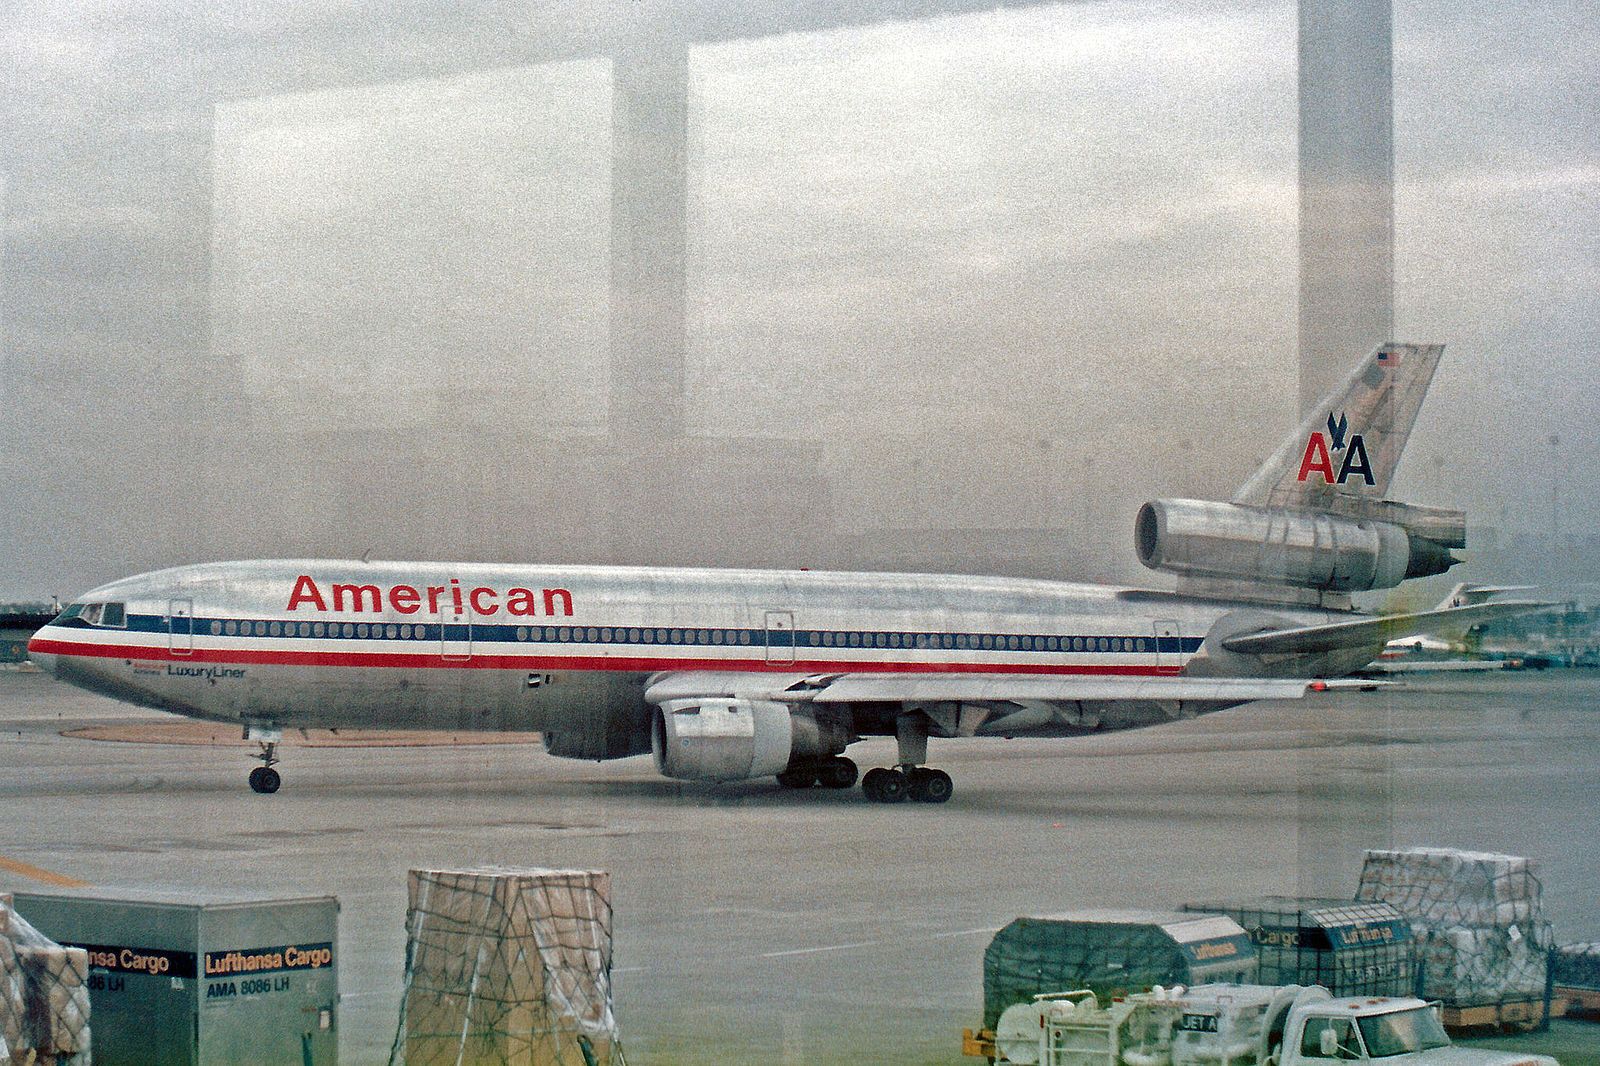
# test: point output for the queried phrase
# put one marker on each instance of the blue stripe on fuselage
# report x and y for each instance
(658, 636)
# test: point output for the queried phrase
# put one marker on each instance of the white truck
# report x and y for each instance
(1232, 1025)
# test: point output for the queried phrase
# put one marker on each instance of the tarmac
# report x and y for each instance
(755, 924)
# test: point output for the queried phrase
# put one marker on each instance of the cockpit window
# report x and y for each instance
(72, 611)
(102, 614)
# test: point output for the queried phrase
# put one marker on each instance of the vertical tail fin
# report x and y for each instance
(1350, 444)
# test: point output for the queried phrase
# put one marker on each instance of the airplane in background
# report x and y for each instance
(729, 675)
(1448, 649)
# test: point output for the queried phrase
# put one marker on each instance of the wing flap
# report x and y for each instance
(1331, 636)
(731, 684)
(939, 687)
(918, 688)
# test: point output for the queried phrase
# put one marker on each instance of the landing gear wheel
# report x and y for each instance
(883, 785)
(264, 780)
(836, 773)
(802, 776)
(926, 785)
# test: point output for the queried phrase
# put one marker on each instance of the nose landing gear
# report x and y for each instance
(264, 780)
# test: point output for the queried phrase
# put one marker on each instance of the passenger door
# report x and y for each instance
(1169, 644)
(780, 637)
(455, 633)
(180, 627)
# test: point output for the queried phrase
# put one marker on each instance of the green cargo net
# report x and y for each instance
(1351, 948)
(1578, 965)
(1110, 953)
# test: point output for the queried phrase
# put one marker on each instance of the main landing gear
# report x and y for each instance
(910, 779)
(834, 772)
(892, 784)
(264, 779)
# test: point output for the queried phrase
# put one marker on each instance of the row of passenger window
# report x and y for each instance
(318, 629)
(608, 635)
(830, 639)
(741, 637)
(973, 642)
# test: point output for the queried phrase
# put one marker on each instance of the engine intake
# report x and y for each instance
(721, 739)
(1279, 546)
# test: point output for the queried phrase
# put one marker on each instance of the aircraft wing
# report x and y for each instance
(865, 688)
(1331, 636)
(868, 687)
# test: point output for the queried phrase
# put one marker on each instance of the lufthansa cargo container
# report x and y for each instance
(1351, 948)
(16, 627)
(192, 981)
(1111, 953)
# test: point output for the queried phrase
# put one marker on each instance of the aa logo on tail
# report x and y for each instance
(1321, 448)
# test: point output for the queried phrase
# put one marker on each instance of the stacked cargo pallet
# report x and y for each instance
(44, 997)
(508, 967)
(1480, 923)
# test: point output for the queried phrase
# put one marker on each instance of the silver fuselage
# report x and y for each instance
(426, 645)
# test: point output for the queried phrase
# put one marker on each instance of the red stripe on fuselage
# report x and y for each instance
(622, 664)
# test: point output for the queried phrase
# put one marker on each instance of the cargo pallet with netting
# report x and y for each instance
(44, 996)
(508, 968)
(1575, 971)
(1351, 948)
(1484, 944)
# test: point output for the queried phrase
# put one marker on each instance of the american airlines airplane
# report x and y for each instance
(728, 675)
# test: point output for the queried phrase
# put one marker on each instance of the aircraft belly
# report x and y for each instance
(328, 697)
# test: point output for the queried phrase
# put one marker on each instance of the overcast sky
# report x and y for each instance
(1013, 270)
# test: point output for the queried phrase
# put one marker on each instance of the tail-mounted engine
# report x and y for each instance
(1300, 548)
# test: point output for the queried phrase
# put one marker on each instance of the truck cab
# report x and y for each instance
(1395, 1031)
(1229, 1025)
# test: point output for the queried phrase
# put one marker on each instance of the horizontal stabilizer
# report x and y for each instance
(1468, 593)
(938, 687)
(1306, 640)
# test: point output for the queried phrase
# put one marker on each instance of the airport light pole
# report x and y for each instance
(1555, 488)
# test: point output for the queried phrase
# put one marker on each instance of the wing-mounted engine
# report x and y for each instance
(1376, 545)
(727, 739)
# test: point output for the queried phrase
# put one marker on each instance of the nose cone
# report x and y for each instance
(42, 659)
